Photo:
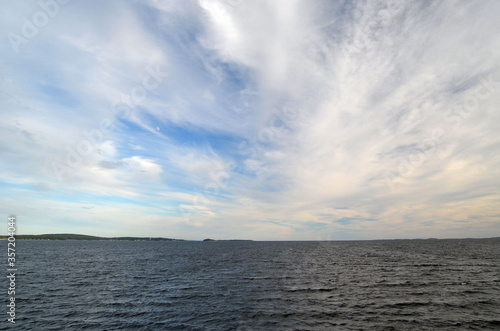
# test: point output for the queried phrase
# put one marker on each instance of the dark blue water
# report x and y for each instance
(371, 285)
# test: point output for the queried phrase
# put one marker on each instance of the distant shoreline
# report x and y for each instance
(70, 236)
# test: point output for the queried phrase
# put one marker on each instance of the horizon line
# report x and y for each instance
(236, 239)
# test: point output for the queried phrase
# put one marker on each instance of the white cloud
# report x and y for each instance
(364, 119)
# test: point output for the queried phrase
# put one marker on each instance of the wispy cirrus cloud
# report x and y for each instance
(267, 120)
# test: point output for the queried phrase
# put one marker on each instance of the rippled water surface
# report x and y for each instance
(370, 285)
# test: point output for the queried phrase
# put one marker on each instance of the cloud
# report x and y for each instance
(263, 120)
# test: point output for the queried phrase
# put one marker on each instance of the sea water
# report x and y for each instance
(238, 285)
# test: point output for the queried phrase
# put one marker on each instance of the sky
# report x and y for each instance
(261, 119)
